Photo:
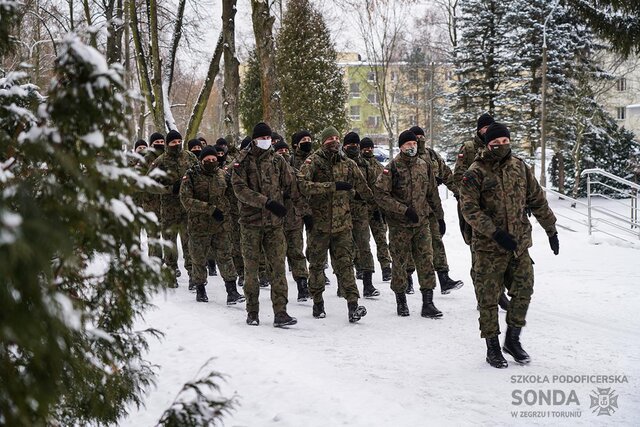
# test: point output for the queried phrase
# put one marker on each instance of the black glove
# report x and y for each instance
(527, 210)
(343, 186)
(457, 196)
(412, 215)
(176, 187)
(218, 215)
(308, 222)
(505, 240)
(555, 244)
(276, 208)
(439, 180)
(377, 216)
(443, 226)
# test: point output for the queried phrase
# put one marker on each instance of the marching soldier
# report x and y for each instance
(151, 203)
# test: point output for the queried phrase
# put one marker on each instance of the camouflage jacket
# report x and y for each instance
(200, 194)
(174, 168)
(359, 207)
(230, 194)
(466, 156)
(298, 157)
(494, 195)
(439, 167)
(293, 220)
(330, 208)
(258, 176)
(408, 182)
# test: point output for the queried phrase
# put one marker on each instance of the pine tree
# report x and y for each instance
(250, 106)
(313, 91)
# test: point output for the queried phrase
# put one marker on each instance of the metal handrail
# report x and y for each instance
(616, 178)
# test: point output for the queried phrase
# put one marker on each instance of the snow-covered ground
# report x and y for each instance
(583, 323)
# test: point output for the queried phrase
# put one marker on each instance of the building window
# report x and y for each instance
(354, 90)
(371, 77)
(372, 98)
(621, 113)
(373, 121)
(621, 84)
(355, 112)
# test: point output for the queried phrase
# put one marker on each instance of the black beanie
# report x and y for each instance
(221, 141)
(351, 138)
(155, 136)
(261, 129)
(484, 120)
(202, 140)
(275, 136)
(366, 142)
(496, 130)
(245, 142)
(139, 143)
(172, 135)
(297, 137)
(208, 151)
(417, 130)
(193, 142)
(406, 136)
(280, 144)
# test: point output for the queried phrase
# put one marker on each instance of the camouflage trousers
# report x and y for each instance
(270, 243)
(407, 244)
(236, 249)
(439, 254)
(379, 232)
(218, 245)
(174, 222)
(152, 204)
(295, 256)
(363, 259)
(492, 271)
(340, 247)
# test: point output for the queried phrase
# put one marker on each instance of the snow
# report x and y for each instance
(94, 139)
(388, 370)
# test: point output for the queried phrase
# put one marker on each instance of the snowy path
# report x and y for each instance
(584, 320)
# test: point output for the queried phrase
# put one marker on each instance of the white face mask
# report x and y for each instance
(265, 144)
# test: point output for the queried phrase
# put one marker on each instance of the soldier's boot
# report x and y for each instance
(318, 310)
(264, 282)
(401, 304)
(252, 318)
(513, 347)
(503, 302)
(339, 292)
(233, 296)
(303, 289)
(428, 308)
(326, 279)
(359, 274)
(283, 319)
(356, 312)
(447, 284)
(494, 355)
(211, 267)
(201, 294)
(409, 289)
(368, 290)
(192, 285)
(178, 273)
(241, 280)
(386, 274)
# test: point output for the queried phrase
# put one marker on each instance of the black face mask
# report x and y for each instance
(352, 151)
(367, 154)
(222, 159)
(158, 147)
(196, 152)
(174, 150)
(305, 146)
(209, 167)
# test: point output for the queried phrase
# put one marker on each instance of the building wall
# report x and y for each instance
(622, 99)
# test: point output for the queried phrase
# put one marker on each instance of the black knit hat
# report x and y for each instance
(261, 129)
(417, 130)
(366, 142)
(297, 137)
(221, 149)
(221, 141)
(172, 135)
(208, 151)
(193, 142)
(496, 130)
(351, 138)
(279, 145)
(139, 143)
(245, 142)
(202, 140)
(155, 136)
(275, 136)
(484, 120)
(406, 136)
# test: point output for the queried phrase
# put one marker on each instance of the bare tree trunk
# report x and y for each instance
(175, 41)
(265, 48)
(158, 104)
(87, 15)
(114, 16)
(141, 60)
(231, 89)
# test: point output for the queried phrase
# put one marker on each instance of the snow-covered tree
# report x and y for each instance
(250, 107)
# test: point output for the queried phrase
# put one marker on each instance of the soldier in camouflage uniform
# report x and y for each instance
(202, 195)
(151, 202)
(236, 236)
(174, 163)
(438, 227)
(136, 161)
(407, 192)
(376, 219)
(494, 193)
(260, 179)
(326, 179)
(360, 218)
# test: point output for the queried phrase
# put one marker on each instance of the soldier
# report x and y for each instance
(293, 234)
(408, 193)
(326, 178)
(151, 203)
(195, 147)
(438, 227)
(202, 195)
(260, 179)
(494, 193)
(360, 218)
(174, 163)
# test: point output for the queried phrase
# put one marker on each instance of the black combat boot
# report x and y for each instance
(409, 289)
(386, 274)
(252, 318)
(211, 267)
(359, 274)
(192, 285)
(241, 280)
(264, 282)
(368, 290)
(178, 273)
(401, 304)
(283, 319)
(447, 284)
(428, 309)
(494, 355)
(318, 310)
(233, 296)
(201, 294)
(513, 347)
(303, 289)
(503, 302)
(356, 312)
(327, 282)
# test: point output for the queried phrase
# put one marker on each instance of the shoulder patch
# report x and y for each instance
(385, 171)
(469, 179)
(308, 161)
(460, 155)
(184, 178)
(236, 165)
